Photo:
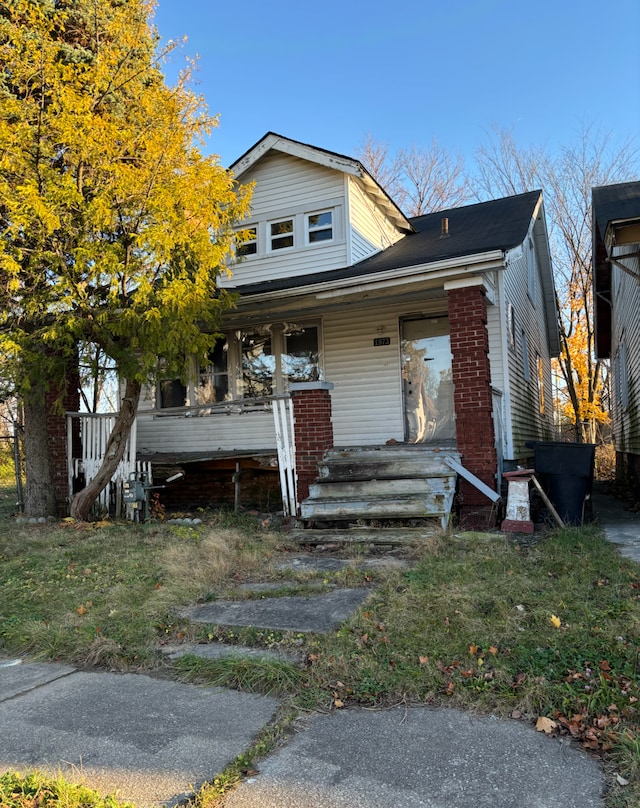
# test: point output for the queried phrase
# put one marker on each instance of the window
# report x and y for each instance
(319, 227)
(300, 354)
(253, 363)
(540, 370)
(258, 364)
(526, 370)
(213, 379)
(172, 393)
(249, 245)
(621, 375)
(511, 326)
(281, 234)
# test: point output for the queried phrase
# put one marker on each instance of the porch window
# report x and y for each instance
(258, 365)
(172, 393)
(213, 379)
(319, 227)
(300, 359)
(281, 234)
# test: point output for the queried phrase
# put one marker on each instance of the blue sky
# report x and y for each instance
(327, 73)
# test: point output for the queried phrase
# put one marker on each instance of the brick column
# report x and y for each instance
(313, 429)
(472, 399)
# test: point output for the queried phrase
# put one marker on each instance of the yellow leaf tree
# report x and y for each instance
(113, 224)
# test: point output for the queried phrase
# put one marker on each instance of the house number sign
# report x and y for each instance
(381, 341)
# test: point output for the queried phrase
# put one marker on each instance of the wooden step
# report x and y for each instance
(388, 507)
(382, 464)
(375, 488)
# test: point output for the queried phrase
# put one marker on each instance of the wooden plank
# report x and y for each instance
(471, 478)
(548, 502)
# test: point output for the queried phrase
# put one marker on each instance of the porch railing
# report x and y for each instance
(95, 429)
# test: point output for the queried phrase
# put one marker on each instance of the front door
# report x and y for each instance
(427, 382)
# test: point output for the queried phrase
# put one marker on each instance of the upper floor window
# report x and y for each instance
(319, 226)
(281, 234)
(249, 246)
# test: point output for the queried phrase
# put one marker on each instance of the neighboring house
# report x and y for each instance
(431, 333)
(616, 267)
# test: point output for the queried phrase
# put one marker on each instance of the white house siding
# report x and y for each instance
(251, 431)
(369, 230)
(288, 186)
(626, 328)
(367, 400)
(529, 316)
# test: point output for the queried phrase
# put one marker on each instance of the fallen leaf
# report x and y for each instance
(604, 665)
(423, 660)
(473, 649)
(555, 621)
(493, 649)
(338, 703)
(546, 725)
(81, 609)
(621, 780)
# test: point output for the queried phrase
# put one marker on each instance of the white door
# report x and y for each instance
(427, 381)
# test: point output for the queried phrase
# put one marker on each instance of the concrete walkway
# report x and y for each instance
(154, 742)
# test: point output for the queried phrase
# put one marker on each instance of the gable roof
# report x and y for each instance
(338, 162)
(486, 227)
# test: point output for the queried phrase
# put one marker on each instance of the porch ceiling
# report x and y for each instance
(316, 302)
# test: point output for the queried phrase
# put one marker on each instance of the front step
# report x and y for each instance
(396, 482)
(362, 535)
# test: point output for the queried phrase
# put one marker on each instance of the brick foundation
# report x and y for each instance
(473, 402)
(313, 430)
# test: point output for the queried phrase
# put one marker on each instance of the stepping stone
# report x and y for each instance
(220, 650)
(312, 613)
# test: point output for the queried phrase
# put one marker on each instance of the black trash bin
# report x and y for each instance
(565, 471)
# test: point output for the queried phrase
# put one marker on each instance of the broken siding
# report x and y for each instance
(288, 187)
(527, 423)
(626, 331)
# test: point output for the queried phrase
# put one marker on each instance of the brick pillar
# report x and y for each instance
(57, 432)
(473, 402)
(313, 429)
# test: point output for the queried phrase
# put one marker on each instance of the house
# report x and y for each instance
(616, 268)
(400, 338)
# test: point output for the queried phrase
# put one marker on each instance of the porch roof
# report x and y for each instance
(498, 225)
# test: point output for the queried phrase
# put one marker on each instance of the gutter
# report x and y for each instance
(479, 262)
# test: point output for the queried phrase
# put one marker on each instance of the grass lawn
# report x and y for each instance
(550, 630)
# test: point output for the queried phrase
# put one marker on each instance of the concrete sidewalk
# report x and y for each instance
(154, 742)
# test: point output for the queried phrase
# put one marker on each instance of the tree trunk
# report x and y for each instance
(114, 452)
(40, 499)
